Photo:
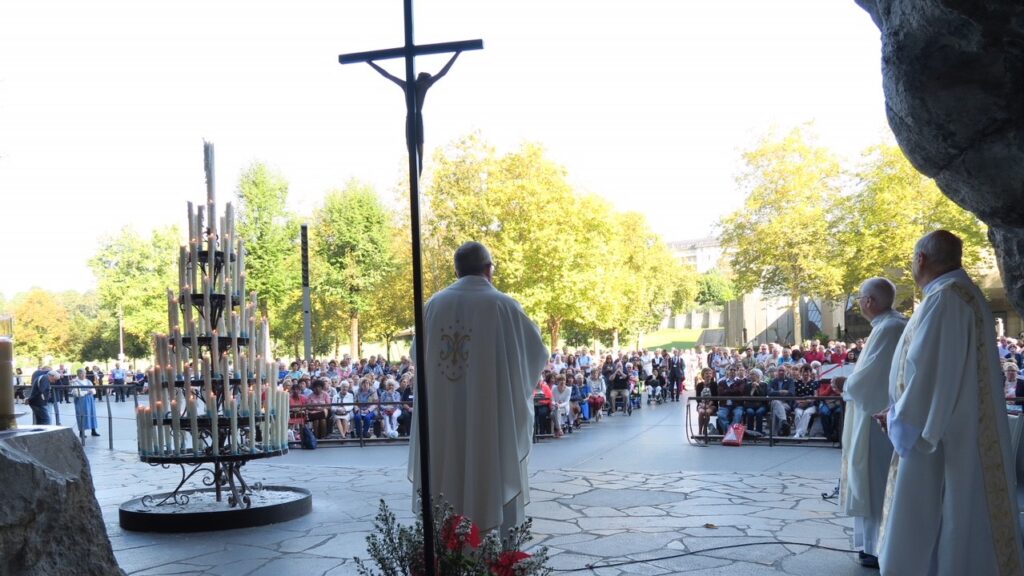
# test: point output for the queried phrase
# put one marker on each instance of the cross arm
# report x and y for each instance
(420, 50)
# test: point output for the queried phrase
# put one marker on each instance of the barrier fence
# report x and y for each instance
(302, 412)
(59, 393)
(755, 437)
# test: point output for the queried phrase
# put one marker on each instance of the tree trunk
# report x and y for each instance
(353, 336)
(615, 340)
(794, 308)
(387, 348)
(556, 328)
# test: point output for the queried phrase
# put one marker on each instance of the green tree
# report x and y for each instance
(353, 239)
(777, 236)
(41, 325)
(892, 207)
(392, 309)
(715, 289)
(271, 236)
(133, 275)
(568, 258)
(648, 281)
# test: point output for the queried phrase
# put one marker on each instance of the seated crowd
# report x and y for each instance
(788, 378)
(366, 399)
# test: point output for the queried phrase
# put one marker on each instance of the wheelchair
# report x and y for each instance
(615, 404)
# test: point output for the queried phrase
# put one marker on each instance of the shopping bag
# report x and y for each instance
(734, 435)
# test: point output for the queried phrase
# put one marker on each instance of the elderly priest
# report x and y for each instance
(483, 357)
(950, 505)
(866, 449)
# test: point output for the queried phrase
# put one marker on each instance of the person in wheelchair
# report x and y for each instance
(636, 389)
(657, 386)
(619, 389)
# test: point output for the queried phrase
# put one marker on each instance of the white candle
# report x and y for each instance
(215, 349)
(282, 419)
(158, 415)
(215, 427)
(138, 431)
(182, 260)
(234, 421)
(252, 422)
(207, 320)
(176, 424)
(235, 327)
(241, 267)
(207, 387)
(147, 425)
(193, 422)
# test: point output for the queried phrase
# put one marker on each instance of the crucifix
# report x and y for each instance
(414, 143)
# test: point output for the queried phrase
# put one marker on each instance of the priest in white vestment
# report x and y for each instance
(866, 449)
(483, 357)
(950, 505)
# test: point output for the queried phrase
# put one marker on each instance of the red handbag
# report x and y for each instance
(734, 435)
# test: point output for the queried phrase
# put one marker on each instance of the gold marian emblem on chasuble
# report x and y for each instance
(454, 353)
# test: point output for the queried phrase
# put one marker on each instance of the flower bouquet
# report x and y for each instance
(459, 549)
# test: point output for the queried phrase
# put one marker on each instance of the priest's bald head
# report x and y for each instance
(876, 297)
(474, 259)
(935, 254)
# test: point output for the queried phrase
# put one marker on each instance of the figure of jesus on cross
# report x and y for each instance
(423, 83)
(414, 143)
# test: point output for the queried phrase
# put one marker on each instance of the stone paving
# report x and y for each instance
(593, 504)
(585, 518)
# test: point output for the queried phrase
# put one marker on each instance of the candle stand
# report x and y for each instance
(214, 403)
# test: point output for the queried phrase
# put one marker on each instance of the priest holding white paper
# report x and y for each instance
(866, 449)
(950, 505)
(483, 357)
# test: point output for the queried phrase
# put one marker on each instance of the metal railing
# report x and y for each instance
(60, 392)
(821, 441)
(303, 410)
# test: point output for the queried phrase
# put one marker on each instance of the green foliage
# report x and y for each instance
(271, 236)
(392, 309)
(566, 257)
(353, 239)
(778, 235)
(133, 275)
(42, 325)
(892, 207)
(715, 289)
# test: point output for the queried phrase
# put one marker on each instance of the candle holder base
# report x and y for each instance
(201, 512)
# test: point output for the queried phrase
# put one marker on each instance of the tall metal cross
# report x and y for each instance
(415, 91)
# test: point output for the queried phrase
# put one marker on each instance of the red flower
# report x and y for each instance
(506, 563)
(450, 534)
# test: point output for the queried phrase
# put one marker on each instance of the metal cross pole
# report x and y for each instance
(413, 103)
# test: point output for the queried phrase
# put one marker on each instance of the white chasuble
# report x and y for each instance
(866, 449)
(483, 357)
(950, 507)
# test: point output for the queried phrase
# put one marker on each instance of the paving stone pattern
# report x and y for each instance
(584, 517)
(626, 489)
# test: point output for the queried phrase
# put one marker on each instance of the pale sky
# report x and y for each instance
(104, 104)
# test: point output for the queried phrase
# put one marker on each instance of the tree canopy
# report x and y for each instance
(271, 235)
(779, 237)
(892, 206)
(353, 238)
(566, 257)
(133, 275)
